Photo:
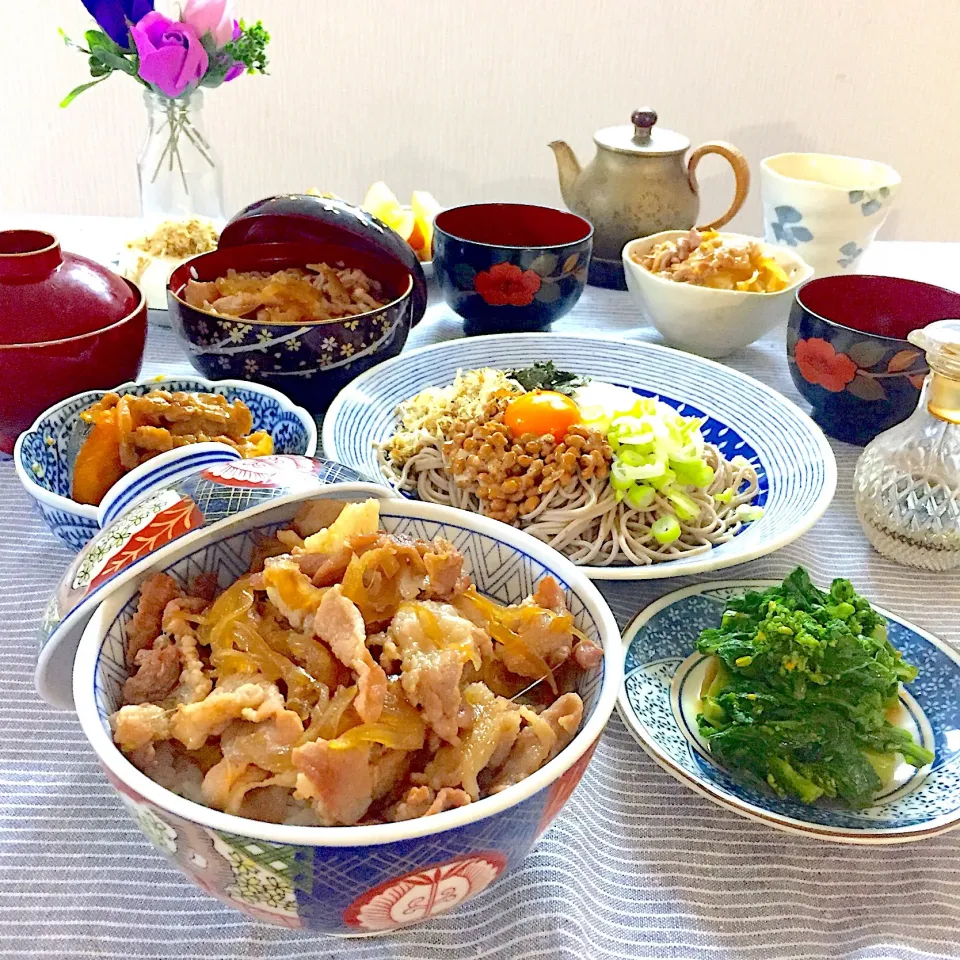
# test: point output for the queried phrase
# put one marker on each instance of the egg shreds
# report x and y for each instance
(178, 239)
(709, 259)
(433, 411)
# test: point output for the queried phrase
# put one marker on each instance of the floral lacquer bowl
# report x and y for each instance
(362, 879)
(45, 453)
(510, 267)
(309, 361)
(849, 354)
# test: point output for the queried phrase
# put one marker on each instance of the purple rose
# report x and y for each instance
(172, 58)
(115, 16)
(235, 71)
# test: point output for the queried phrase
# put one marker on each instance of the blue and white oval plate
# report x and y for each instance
(659, 702)
(796, 467)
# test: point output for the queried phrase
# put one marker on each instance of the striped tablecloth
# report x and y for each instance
(636, 865)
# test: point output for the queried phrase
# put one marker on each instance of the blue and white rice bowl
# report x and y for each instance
(659, 702)
(796, 468)
(362, 879)
(43, 456)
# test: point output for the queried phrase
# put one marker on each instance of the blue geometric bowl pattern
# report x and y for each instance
(795, 463)
(43, 454)
(332, 887)
(658, 662)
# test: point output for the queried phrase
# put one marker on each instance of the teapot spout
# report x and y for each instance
(568, 168)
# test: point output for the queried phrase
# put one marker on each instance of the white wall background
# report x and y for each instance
(462, 98)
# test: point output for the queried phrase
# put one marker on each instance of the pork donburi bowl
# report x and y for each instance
(321, 712)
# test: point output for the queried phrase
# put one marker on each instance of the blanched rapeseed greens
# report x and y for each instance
(799, 693)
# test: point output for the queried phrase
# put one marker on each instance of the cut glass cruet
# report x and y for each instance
(907, 481)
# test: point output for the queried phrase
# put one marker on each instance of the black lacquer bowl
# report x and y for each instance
(510, 267)
(310, 361)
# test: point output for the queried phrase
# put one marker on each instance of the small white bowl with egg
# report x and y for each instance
(710, 321)
(157, 248)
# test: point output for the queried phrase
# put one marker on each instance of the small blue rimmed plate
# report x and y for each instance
(795, 465)
(659, 702)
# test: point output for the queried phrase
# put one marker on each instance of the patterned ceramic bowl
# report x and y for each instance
(659, 703)
(177, 495)
(44, 454)
(849, 354)
(510, 267)
(308, 361)
(364, 879)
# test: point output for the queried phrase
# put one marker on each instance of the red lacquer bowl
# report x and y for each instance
(34, 376)
(46, 294)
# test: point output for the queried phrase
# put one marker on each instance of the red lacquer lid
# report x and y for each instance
(46, 294)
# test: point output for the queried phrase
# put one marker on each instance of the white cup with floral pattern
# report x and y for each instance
(828, 208)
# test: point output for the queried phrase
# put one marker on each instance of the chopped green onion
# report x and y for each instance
(650, 468)
(664, 480)
(748, 513)
(724, 496)
(694, 474)
(665, 530)
(640, 496)
(686, 507)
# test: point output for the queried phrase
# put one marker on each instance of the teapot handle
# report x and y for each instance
(741, 173)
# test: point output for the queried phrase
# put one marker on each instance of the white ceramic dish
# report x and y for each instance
(152, 279)
(742, 416)
(701, 320)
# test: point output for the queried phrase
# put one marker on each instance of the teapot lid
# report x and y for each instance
(640, 138)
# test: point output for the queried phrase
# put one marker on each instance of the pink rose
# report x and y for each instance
(172, 57)
(216, 17)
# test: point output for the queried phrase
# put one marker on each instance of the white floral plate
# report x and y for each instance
(659, 701)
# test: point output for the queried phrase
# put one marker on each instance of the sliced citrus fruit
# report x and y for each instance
(425, 208)
(382, 202)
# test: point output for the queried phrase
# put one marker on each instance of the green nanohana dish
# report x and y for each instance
(800, 693)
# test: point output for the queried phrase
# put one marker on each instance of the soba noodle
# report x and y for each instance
(583, 520)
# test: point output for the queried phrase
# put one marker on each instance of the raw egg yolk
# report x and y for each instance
(541, 412)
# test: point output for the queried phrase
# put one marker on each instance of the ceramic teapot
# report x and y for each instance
(639, 184)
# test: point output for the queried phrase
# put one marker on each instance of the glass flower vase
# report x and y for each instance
(178, 169)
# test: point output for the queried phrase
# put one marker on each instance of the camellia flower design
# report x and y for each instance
(820, 363)
(506, 284)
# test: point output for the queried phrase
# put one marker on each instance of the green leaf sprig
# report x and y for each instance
(250, 48)
(104, 58)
